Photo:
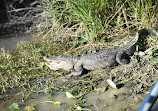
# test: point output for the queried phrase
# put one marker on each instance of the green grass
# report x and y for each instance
(98, 18)
(19, 66)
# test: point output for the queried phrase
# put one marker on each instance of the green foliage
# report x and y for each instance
(155, 53)
(154, 56)
(19, 66)
(14, 106)
(97, 17)
(86, 15)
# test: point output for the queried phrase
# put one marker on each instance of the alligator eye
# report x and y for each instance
(58, 62)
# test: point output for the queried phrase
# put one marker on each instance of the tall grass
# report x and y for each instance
(99, 18)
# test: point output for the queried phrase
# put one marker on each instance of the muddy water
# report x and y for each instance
(110, 100)
(11, 41)
(34, 100)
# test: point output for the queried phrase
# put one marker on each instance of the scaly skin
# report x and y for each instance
(95, 60)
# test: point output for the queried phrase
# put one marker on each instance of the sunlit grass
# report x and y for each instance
(97, 19)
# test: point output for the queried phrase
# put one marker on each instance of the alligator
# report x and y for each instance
(102, 59)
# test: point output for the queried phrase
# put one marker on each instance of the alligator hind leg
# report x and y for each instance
(122, 58)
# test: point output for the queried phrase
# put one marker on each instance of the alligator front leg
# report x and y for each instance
(122, 58)
(77, 73)
(79, 70)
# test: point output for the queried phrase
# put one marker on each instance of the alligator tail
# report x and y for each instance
(132, 42)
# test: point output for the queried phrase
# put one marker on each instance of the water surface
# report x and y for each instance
(11, 41)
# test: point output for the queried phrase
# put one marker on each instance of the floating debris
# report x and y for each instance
(141, 53)
(69, 95)
(29, 108)
(111, 83)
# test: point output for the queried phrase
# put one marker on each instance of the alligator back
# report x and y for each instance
(107, 57)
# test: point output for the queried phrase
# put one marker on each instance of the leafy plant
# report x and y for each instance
(14, 106)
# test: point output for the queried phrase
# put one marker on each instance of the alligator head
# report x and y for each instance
(59, 62)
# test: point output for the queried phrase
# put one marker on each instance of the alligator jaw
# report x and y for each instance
(55, 63)
(50, 65)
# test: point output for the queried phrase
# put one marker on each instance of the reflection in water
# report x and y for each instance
(11, 42)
